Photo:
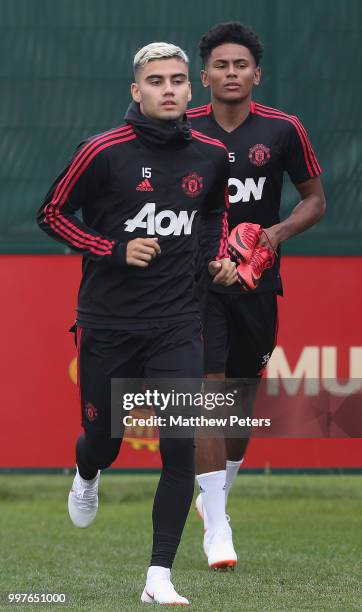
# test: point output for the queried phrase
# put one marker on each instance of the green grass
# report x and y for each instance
(299, 540)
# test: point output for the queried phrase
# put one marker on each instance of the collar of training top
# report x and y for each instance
(159, 133)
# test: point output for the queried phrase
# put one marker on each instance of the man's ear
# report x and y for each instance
(257, 76)
(204, 78)
(189, 97)
(135, 93)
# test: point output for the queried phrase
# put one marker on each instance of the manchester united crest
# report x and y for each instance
(91, 412)
(192, 185)
(259, 155)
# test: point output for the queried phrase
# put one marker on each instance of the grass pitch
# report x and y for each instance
(299, 540)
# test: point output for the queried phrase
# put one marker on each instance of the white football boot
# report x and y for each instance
(199, 506)
(159, 588)
(201, 512)
(208, 536)
(83, 500)
(220, 550)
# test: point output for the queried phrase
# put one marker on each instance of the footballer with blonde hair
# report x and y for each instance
(145, 189)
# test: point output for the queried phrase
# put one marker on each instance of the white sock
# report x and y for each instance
(232, 468)
(212, 488)
(155, 573)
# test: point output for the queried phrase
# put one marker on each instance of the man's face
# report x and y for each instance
(231, 73)
(162, 88)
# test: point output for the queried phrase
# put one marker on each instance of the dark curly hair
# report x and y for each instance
(230, 32)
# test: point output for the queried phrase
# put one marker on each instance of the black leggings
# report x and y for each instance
(169, 352)
(174, 492)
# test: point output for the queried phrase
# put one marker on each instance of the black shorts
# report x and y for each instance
(239, 333)
(167, 350)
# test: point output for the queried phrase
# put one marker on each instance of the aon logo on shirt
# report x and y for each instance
(246, 189)
(165, 223)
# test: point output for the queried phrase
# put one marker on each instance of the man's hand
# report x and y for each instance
(223, 271)
(141, 251)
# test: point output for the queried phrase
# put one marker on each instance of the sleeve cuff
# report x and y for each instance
(118, 255)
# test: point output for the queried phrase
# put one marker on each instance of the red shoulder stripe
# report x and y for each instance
(81, 156)
(301, 126)
(309, 156)
(207, 139)
(73, 174)
(196, 115)
(300, 129)
(65, 228)
(306, 157)
(199, 111)
(62, 225)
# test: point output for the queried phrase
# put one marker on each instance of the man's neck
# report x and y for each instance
(230, 116)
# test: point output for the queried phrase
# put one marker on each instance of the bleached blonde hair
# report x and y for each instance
(155, 51)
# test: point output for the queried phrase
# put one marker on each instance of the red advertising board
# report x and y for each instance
(320, 337)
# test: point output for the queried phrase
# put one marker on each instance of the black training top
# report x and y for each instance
(146, 178)
(267, 144)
